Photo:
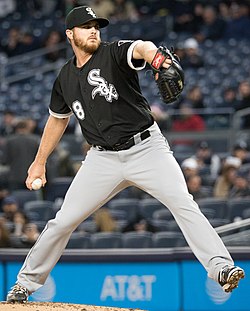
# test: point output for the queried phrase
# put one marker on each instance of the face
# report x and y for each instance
(85, 37)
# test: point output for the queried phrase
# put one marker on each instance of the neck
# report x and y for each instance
(82, 58)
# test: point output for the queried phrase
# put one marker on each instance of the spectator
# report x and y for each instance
(64, 163)
(187, 15)
(30, 235)
(9, 208)
(208, 160)
(195, 98)
(192, 57)
(11, 45)
(51, 42)
(124, 10)
(104, 8)
(240, 151)
(139, 225)
(238, 26)
(224, 10)
(19, 220)
(241, 187)
(225, 181)
(3, 194)
(212, 27)
(8, 123)
(160, 116)
(18, 152)
(7, 7)
(104, 221)
(187, 121)
(194, 184)
(28, 42)
(4, 236)
(229, 98)
(190, 167)
(244, 102)
(19, 42)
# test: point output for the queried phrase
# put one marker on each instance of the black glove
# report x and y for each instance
(170, 81)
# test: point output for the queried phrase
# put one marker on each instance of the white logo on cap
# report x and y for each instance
(90, 12)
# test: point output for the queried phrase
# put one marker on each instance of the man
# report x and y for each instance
(100, 86)
(18, 152)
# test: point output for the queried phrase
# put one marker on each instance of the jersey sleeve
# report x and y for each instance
(123, 52)
(58, 107)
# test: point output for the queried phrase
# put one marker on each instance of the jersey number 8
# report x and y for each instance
(77, 107)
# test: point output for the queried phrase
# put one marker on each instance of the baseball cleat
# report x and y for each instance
(229, 277)
(17, 294)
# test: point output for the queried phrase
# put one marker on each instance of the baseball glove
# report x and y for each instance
(170, 81)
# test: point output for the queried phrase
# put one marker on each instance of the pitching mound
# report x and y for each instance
(50, 306)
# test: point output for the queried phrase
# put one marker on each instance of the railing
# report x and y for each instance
(27, 59)
(239, 224)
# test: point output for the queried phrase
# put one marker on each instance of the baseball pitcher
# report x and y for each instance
(99, 85)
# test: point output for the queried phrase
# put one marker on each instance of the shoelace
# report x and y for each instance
(19, 289)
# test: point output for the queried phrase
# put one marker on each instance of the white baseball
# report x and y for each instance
(37, 184)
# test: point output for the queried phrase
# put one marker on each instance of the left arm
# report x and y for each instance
(146, 50)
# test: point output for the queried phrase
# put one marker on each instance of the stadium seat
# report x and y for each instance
(236, 208)
(163, 214)
(128, 205)
(213, 207)
(136, 239)
(106, 240)
(79, 240)
(22, 196)
(148, 206)
(39, 210)
(87, 225)
(160, 224)
(57, 188)
(168, 239)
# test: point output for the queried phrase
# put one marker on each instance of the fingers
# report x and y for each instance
(35, 171)
(30, 180)
(167, 63)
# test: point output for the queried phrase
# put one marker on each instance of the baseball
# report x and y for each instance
(37, 184)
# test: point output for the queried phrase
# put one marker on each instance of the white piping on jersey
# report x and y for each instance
(129, 56)
(60, 116)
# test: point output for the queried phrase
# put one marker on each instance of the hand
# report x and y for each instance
(36, 170)
(167, 63)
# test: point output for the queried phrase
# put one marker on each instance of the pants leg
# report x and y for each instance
(96, 182)
(155, 170)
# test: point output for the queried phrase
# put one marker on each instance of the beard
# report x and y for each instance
(87, 47)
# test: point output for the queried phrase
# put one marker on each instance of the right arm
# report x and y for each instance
(52, 134)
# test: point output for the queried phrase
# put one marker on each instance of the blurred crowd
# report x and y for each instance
(207, 173)
(200, 19)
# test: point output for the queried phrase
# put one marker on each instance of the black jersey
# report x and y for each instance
(104, 95)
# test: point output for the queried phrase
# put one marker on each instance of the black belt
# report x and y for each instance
(124, 146)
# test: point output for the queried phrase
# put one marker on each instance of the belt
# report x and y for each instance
(128, 144)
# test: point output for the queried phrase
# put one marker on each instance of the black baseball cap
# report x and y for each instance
(82, 15)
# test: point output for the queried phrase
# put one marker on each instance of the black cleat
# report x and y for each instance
(18, 294)
(229, 277)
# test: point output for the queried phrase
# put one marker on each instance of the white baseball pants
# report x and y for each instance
(151, 166)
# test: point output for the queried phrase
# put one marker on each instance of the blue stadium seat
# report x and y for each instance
(148, 206)
(106, 240)
(79, 240)
(128, 205)
(39, 210)
(137, 239)
(168, 239)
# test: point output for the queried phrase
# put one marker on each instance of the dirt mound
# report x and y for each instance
(50, 306)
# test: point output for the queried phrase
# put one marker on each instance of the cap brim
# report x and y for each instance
(102, 22)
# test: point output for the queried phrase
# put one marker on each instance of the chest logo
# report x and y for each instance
(102, 87)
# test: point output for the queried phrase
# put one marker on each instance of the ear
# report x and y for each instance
(69, 33)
